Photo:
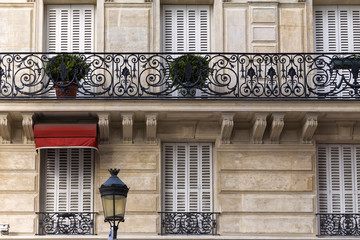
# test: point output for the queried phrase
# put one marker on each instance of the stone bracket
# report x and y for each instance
(151, 124)
(27, 124)
(5, 128)
(104, 119)
(227, 126)
(258, 127)
(128, 123)
(277, 125)
(309, 126)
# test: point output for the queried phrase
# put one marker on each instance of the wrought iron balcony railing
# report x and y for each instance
(175, 75)
(334, 224)
(81, 223)
(189, 223)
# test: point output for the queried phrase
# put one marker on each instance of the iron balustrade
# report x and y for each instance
(152, 75)
(335, 224)
(189, 223)
(81, 223)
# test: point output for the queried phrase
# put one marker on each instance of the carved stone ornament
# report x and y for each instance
(5, 129)
(103, 123)
(151, 124)
(227, 126)
(309, 126)
(258, 128)
(127, 122)
(27, 124)
(277, 125)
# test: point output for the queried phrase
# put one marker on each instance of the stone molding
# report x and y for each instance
(227, 126)
(27, 124)
(258, 127)
(309, 126)
(277, 125)
(151, 125)
(128, 124)
(104, 119)
(5, 128)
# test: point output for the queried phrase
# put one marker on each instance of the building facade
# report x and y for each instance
(264, 142)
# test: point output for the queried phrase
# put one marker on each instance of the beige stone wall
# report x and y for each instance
(19, 187)
(266, 189)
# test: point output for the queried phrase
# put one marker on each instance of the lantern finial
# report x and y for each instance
(114, 172)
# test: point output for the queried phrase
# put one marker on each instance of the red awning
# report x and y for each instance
(65, 135)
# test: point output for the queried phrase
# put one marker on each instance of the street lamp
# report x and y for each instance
(113, 195)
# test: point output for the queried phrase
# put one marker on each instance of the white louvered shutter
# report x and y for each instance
(357, 174)
(69, 180)
(186, 28)
(323, 176)
(187, 177)
(338, 176)
(206, 177)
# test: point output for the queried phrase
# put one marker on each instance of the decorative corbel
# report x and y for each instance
(151, 123)
(127, 122)
(277, 125)
(103, 123)
(27, 124)
(5, 128)
(309, 126)
(258, 127)
(227, 126)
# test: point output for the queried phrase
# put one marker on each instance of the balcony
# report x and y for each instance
(275, 76)
(70, 223)
(336, 224)
(188, 223)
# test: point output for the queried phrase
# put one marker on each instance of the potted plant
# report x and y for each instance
(345, 62)
(189, 72)
(66, 71)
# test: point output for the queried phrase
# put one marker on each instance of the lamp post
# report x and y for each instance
(113, 195)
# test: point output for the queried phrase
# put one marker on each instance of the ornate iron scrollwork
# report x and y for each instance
(150, 75)
(66, 223)
(188, 223)
(333, 224)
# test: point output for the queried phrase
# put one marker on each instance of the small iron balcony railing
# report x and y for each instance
(81, 223)
(181, 75)
(335, 224)
(190, 223)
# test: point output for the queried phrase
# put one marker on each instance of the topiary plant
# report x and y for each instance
(189, 71)
(66, 68)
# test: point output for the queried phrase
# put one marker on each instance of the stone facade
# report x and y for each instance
(264, 154)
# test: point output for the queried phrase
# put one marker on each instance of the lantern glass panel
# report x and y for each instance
(108, 205)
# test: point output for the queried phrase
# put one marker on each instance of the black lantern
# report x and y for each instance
(113, 195)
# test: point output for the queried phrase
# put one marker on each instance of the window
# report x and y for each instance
(70, 28)
(186, 28)
(67, 191)
(337, 29)
(338, 188)
(67, 179)
(187, 188)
